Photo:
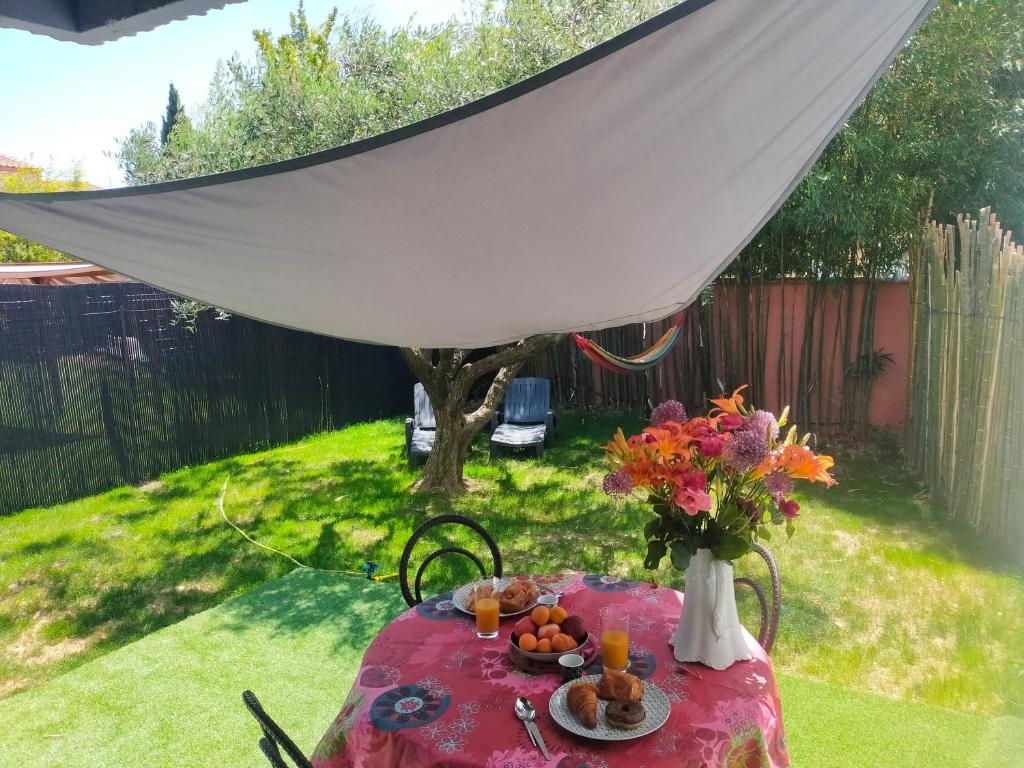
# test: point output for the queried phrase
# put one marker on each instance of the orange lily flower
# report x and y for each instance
(800, 462)
(732, 404)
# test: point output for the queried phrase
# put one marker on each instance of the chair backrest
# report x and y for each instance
(769, 613)
(412, 595)
(422, 410)
(274, 738)
(527, 401)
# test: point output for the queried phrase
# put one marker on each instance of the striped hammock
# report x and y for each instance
(602, 357)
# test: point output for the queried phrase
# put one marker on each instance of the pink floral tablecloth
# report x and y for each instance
(430, 693)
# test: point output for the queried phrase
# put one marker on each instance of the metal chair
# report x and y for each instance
(274, 739)
(769, 615)
(413, 596)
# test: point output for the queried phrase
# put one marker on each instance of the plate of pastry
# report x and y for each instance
(614, 706)
(515, 595)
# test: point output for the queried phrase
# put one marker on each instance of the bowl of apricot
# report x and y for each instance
(548, 633)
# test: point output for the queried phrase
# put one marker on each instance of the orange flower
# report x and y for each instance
(669, 441)
(800, 462)
(732, 404)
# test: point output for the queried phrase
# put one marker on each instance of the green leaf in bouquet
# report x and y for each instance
(655, 551)
(654, 528)
(790, 529)
(731, 546)
(763, 533)
(682, 552)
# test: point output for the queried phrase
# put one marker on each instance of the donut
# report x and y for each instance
(625, 715)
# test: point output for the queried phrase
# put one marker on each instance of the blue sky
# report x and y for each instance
(63, 104)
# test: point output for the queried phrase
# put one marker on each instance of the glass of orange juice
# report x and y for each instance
(615, 637)
(487, 613)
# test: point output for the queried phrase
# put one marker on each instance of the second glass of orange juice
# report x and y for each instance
(615, 637)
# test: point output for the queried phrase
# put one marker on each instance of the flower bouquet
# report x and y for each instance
(716, 485)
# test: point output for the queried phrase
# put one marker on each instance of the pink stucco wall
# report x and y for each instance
(787, 305)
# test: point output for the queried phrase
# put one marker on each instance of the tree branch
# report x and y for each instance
(418, 363)
(516, 353)
(475, 421)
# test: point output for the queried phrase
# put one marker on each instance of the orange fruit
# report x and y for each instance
(543, 646)
(527, 642)
(540, 615)
(562, 643)
(558, 614)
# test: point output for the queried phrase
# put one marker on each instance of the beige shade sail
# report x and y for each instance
(609, 189)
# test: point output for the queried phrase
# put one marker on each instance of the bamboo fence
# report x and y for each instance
(966, 387)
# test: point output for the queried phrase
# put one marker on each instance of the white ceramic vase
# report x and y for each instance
(709, 628)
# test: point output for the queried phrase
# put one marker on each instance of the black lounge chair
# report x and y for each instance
(421, 429)
(528, 420)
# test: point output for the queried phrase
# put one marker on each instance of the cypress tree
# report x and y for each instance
(175, 112)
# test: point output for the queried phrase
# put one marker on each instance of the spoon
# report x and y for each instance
(523, 714)
(531, 715)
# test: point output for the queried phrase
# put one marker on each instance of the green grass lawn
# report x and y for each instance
(881, 595)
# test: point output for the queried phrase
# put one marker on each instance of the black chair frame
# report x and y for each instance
(274, 738)
(414, 596)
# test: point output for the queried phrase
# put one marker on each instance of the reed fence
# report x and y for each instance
(98, 389)
(966, 390)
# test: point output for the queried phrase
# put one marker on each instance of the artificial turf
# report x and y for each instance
(173, 698)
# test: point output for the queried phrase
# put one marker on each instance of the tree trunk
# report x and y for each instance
(448, 380)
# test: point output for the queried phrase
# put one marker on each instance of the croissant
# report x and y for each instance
(582, 701)
(620, 686)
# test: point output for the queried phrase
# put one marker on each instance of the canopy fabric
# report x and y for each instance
(92, 22)
(626, 177)
(634, 363)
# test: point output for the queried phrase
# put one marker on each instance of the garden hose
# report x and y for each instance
(369, 569)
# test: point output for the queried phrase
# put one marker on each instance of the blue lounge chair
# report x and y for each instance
(528, 420)
(421, 429)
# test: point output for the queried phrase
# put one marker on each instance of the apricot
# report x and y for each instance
(558, 614)
(561, 642)
(548, 631)
(527, 642)
(543, 646)
(540, 615)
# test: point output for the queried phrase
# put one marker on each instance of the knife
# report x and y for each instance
(540, 740)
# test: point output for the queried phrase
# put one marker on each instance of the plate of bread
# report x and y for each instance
(613, 706)
(515, 595)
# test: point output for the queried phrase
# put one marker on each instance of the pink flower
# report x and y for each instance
(730, 422)
(712, 446)
(692, 500)
(693, 479)
(789, 508)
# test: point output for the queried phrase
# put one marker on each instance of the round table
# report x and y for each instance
(430, 693)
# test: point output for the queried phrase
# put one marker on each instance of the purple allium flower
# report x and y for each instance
(617, 484)
(670, 410)
(745, 450)
(763, 423)
(778, 484)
